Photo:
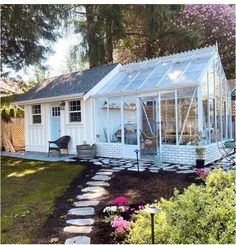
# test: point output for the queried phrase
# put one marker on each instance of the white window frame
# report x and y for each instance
(36, 114)
(69, 110)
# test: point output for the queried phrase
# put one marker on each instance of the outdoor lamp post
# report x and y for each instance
(137, 151)
(153, 210)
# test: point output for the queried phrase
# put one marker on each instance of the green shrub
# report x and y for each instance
(202, 214)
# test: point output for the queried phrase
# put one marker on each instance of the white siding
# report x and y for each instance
(36, 136)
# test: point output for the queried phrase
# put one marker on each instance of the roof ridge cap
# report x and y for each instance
(171, 55)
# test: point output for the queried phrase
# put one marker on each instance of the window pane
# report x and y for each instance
(75, 105)
(75, 117)
(114, 106)
(187, 115)
(36, 109)
(101, 120)
(36, 119)
(130, 121)
(168, 123)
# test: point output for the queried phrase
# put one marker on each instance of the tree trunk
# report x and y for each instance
(109, 43)
(109, 49)
(90, 34)
(6, 137)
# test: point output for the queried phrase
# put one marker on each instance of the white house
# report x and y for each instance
(167, 99)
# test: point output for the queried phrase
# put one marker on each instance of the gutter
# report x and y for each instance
(49, 99)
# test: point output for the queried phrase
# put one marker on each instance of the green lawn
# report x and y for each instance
(29, 190)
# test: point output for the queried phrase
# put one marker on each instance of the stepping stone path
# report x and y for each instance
(78, 240)
(86, 203)
(80, 224)
(84, 209)
(80, 221)
(101, 177)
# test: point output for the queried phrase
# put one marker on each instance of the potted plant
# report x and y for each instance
(200, 149)
(200, 156)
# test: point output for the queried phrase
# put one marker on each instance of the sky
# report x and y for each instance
(56, 61)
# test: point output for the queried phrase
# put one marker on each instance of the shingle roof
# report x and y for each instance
(76, 82)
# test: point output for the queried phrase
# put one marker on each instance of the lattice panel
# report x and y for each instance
(18, 132)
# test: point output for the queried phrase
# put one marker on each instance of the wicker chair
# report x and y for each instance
(61, 143)
(150, 142)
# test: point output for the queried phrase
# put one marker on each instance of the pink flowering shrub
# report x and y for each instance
(203, 173)
(120, 224)
(120, 215)
(120, 201)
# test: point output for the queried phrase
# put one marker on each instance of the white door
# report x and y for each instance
(55, 122)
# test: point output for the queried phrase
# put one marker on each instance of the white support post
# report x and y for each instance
(108, 120)
(208, 111)
(176, 118)
(215, 119)
(200, 109)
(186, 118)
(138, 113)
(122, 121)
(226, 110)
(95, 131)
(221, 122)
(159, 121)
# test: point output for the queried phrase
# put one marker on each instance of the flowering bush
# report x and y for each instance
(119, 201)
(202, 173)
(120, 215)
(203, 214)
(120, 224)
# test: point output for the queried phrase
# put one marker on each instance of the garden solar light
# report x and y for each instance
(137, 151)
(152, 209)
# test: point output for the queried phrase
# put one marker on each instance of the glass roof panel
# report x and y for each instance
(161, 73)
(139, 79)
(121, 85)
(197, 65)
(157, 75)
(173, 75)
(115, 80)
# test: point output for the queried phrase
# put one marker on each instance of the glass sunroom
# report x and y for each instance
(159, 106)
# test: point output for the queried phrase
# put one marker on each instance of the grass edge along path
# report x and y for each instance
(29, 190)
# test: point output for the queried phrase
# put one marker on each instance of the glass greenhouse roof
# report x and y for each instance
(160, 73)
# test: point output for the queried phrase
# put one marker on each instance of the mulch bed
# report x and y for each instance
(139, 188)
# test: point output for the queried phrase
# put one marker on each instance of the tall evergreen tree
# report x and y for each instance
(23, 27)
(101, 29)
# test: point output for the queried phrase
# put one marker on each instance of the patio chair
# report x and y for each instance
(150, 142)
(61, 143)
(227, 150)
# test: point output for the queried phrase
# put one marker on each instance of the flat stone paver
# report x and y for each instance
(94, 189)
(136, 170)
(77, 229)
(80, 222)
(82, 211)
(86, 203)
(118, 168)
(78, 240)
(101, 177)
(154, 171)
(110, 170)
(104, 173)
(89, 196)
(97, 183)
(186, 172)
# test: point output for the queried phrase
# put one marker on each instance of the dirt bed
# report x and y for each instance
(139, 188)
